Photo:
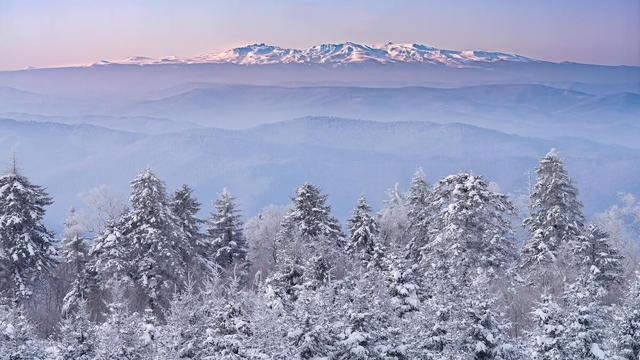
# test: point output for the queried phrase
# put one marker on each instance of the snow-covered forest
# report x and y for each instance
(453, 269)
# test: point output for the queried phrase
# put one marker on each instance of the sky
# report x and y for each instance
(45, 33)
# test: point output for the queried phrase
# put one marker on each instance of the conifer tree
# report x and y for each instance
(77, 335)
(585, 332)
(18, 340)
(626, 329)
(183, 334)
(594, 253)
(74, 257)
(472, 231)
(26, 245)
(419, 213)
(547, 339)
(306, 244)
(185, 208)
(226, 243)
(362, 243)
(153, 241)
(555, 218)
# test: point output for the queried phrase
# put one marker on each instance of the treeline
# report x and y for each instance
(438, 273)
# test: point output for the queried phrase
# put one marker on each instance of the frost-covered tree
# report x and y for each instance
(471, 230)
(585, 330)
(26, 246)
(110, 254)
(185, 207)
(626, 328)
(225, 241)
(74, 257)
(306, 244)
(394, 221)
(153, 241)
(77, 335)
(362, 242)
(183, 334)
(403, 289)
(546, 340)
(483, 335)
(261, 232)
(120, 336)
(555, 218)
(419, 213)
(594, 253)
(18, 340)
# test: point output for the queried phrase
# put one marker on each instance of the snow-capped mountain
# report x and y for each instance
(346, 53)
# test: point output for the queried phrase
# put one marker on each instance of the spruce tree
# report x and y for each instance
(26, 246)
(594, 253)
(225, 241)
(555, 218)
(363, 243)
(306, 244)
(472, 231)
(74, 256)
(585, 333)
(77, 335)
(185, 207)
(18, 340)
(547, 339)
(183, 334)
(419, 213)
(626, 329)
(153, 240)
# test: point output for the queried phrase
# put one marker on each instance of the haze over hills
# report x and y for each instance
(224, 119)
(262, 165)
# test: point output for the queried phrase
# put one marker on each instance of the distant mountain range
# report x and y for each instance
(345, 53)
(262, 165)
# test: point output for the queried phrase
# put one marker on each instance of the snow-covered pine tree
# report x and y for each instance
(183, 334)
(418, 197)
(402, 287)
(484, 337)
(626, 329)
(594, 253)
(225, 241)
(120, 336)
(185, 207)
(110, 255)
(74, 256)
(547, 339)
(363, 243)
(26, 246)
(17, 335)
(306, 244)
(77, 335)
(555, 215)
(585, 330)
(153, 240)
(471, 232)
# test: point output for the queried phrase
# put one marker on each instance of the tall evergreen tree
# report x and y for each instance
(153, 241)
(185, 208)
(77, 335)
(363, 243)
(555, 218)
(74, 256)
(546, 340)
(471, 232)
(419, 213)
(225, 239)
(26, 245)
(594, 253)
(627, 327)
(306, 244)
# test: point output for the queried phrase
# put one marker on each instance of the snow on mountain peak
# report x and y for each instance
(342, 53)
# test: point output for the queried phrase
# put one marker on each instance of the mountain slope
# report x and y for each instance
(263, 165)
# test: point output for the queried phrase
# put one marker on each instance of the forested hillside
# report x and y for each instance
(449, 270)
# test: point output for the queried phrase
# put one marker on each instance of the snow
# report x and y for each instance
(344, 53)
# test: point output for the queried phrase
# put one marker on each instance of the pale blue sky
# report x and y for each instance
(64, 32)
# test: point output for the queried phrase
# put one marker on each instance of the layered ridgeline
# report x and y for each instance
(264, 163)
(438, 272)
(391, 64)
